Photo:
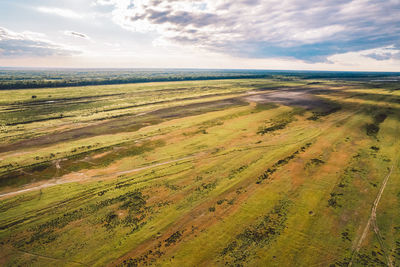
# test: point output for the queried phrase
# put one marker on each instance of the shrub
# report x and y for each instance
(372, 129)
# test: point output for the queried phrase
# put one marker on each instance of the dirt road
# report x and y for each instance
(85, 177)
(372, 220)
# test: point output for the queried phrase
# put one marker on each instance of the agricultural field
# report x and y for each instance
(231, 172)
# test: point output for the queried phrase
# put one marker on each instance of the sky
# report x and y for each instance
(338, 35)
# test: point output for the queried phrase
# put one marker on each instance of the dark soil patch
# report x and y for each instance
(126, 124)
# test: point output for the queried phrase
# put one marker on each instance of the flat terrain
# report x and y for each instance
(244, 172)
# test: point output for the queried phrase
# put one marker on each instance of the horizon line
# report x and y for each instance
(198, 69)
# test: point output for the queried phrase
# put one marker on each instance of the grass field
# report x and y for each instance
(245, 172)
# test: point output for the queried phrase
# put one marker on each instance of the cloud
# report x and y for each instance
(383, 53)
(302, 29)
(67, 13)
(29, 44)
(76, 34)
(376, 59)
(103, 2)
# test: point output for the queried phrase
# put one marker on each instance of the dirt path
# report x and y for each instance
(48, 257)
(151, 166)
(58, 182)
(85, 177)
(372, 220)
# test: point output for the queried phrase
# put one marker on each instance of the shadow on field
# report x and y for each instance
(311, 99)
(125, 124)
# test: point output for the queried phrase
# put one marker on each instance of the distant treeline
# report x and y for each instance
(4, 85)
(23, 79)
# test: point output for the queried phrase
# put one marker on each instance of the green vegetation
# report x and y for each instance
(280, 163)
(373, 128)
(200, 173)
(261, 235)
(279, 122)
(14, 79)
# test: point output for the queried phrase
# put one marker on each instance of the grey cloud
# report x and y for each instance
(384, 56)
(179, 18)
(303, 29)
(77, 34)
(377, 56)
(155, 16)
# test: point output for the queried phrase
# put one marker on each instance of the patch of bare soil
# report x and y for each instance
(295, 97)
(125, 124)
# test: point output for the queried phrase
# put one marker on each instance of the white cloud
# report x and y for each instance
(32, 44)
(269, 28)
(317, 34)
(382, 53)
(67, 13)
(103, 2)
(377, 59)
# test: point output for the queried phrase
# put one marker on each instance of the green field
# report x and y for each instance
(243, 172)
